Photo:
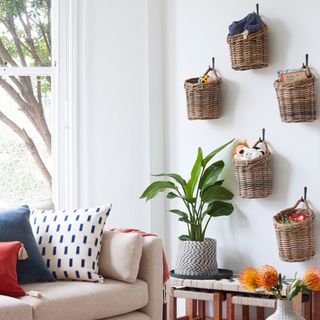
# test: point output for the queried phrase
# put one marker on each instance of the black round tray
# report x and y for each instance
(222, 274)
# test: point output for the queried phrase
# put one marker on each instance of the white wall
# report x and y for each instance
(116, 108)
(195, 31)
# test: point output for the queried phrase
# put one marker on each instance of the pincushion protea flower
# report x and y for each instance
(311, 279)
(268, 277)
(249, 278)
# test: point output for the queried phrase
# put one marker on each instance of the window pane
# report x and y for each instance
(25, 33)
(25, 139)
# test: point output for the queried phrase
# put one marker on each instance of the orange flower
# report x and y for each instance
(311, 279)
(268, 277)
(249, 278)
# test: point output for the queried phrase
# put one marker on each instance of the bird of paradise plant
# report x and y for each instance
(202, 195)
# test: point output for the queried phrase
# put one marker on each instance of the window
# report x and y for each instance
(26, 77)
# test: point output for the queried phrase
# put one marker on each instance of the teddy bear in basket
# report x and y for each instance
(242, 151)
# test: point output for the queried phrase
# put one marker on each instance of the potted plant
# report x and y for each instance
(270, 281)
(203, 197)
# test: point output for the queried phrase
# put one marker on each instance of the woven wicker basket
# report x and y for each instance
(297, 101)
(249, 53)
(296, 242)
(203, 100)
(254, 177)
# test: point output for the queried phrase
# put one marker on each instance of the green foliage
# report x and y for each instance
(203, 195)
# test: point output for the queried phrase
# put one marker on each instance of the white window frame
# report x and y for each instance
(64, 101)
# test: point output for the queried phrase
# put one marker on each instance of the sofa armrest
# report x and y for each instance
(151, 271)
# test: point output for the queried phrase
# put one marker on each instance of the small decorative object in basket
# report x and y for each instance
(296, 95)
(296, 240)
(253, 170)
(248, 42)
(204, 95)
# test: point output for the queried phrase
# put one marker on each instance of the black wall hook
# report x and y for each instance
(257, 8)
(307, 59)
(304, 198)
(263, 134)
(213, 62)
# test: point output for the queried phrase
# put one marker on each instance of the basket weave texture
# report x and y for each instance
(296, 242)
(203, 100)
(249, 53)
(297, 100)
(254, 177)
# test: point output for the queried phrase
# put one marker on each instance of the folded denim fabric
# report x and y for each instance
(252, 22)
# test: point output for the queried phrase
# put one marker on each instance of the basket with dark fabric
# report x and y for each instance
(296, 242)
(297, 100)
(249, 53)
(254, 177)
(203, 100)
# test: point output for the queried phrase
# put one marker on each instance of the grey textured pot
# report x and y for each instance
(197, 258)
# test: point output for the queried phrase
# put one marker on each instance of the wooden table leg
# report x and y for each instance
(217, 305)
(260, 313)
(297, 304)
(191, 308)
(245, 313)
(202, 309)
(308, 308)
(230, 307)
(173, 305)
(316, 305)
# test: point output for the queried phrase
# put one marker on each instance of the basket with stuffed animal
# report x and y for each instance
(253, 170)
(296, 94)
(248, 43)
(204, 96)
(294, 229)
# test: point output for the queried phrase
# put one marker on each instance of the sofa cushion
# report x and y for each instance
(86, 300)
(70, 241)
(8, 269)
(120, 256)
(13, 309)
(15, 226)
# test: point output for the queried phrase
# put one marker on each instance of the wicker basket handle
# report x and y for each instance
(302, 200)
(262, 140)
(212, 68)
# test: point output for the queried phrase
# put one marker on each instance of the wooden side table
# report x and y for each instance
(195, 303)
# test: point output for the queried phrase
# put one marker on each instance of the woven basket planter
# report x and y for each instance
(249, 53)
(254, 177)
(203, 100)
(296, 242)
(197, 258)
(297, 101)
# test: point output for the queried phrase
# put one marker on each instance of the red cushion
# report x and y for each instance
(8, 269)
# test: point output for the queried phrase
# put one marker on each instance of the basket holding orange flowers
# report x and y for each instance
(269, 280)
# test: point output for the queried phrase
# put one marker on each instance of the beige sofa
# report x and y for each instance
(75, 300)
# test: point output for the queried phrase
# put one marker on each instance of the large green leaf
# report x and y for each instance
(179, 213)
(219, 208)
(156, 187)
(211, 174)
(216, 193)
(213, 153)
(174, 176)
(195, 173)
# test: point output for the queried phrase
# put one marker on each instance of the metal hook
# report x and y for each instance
(257, 8)
(307, 59)
(263, 135)
(304, 198)
(213, 62)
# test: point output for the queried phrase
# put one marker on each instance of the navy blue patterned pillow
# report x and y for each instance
(15, 226)
(70, 241)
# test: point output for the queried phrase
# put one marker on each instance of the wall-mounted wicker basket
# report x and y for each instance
(250, 52)
(297, 100)
(296, 242)
(204, 99)
(254, 177)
